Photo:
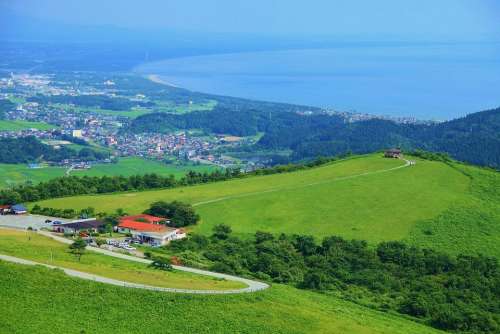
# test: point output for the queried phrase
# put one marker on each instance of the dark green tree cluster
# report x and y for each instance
(180, 214)
(29, 149)
(452, 293)
(5, 106)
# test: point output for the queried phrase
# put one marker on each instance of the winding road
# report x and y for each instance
(252, 286)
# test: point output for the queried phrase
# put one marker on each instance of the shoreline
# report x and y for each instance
(156, 78)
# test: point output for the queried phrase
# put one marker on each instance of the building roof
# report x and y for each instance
(4, 206)
(143, 218)
(19, 207)
(139, 226)
(84, 224)
(393, 150)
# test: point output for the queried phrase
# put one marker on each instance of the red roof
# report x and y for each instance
(145, 227)
(4, 206)
(142, 219)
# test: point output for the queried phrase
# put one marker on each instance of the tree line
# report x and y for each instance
(76, 185)
(455, 293)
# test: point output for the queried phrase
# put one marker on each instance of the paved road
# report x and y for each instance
(252, 286)
(101, 279)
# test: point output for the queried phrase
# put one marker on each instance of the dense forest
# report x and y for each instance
(29, 149)
(451, 293)
(474, 139)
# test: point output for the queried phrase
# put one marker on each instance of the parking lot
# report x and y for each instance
(26, 221)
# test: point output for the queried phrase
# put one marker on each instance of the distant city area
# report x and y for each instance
(71, 124)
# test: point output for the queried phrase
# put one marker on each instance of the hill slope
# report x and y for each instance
(88, 307)
(367, 198)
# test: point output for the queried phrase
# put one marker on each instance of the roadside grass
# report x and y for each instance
(35, 247)
(375, 207)
(17, 125)
(40, 300)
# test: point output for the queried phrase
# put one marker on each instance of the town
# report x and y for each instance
(67, 124)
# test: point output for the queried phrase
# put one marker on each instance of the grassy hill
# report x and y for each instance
(11, 174)
(362, 198)
(58, 303)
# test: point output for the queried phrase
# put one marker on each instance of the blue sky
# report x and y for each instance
(422, 19)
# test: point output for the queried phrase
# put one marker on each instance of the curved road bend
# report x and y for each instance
(252, 285)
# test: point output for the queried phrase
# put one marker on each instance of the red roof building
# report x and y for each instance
(139, 226)
(143, 218)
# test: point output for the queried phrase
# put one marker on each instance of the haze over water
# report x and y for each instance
(428, 81)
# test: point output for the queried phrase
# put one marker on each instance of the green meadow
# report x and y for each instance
(32, 246)
(23, 125)
(11, 175)
(40, 300)
(357, 198)
(133, 166)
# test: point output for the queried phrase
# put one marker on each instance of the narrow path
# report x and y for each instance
(252, 285)
(274, 189)
(68, 171)
(101, 279)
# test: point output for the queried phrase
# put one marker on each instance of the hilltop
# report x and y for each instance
(448, 206)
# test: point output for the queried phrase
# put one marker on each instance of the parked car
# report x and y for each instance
(56, 222)
(127, 247)
(48, 221)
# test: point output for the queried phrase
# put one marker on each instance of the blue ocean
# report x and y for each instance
(428, 81)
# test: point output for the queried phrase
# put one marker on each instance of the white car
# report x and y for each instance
(127, 247)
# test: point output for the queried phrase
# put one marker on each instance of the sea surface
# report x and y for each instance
(428, 81)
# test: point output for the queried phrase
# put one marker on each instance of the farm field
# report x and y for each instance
(20, 173)
(12, 174)
(22, 125)
(32, 246)
(88, 307)
(133, 165)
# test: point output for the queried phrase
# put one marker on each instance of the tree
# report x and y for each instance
(180, 214)
(109, 229)
(222, 231)
(77, 248)
(100, 241)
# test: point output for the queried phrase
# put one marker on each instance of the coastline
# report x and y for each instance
(156, 78)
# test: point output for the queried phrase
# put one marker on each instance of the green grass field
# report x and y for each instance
(392, 205)
(133, 165)
(23, 125)
(40, 300)
(20, 173)
(35, 247)
(11, 175)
